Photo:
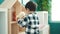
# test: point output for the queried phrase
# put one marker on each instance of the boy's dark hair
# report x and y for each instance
(31, 6)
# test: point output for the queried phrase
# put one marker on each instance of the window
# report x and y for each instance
(55, 10)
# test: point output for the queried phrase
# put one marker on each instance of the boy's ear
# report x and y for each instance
(27, 9)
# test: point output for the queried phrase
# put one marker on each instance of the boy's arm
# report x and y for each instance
(23, 22)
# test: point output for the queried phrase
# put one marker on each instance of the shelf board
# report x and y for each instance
(13, 22)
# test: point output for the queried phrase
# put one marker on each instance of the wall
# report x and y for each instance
(54, 28)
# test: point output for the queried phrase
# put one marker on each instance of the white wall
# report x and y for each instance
(55, 10)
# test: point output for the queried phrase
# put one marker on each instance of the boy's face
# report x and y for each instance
(27, 10)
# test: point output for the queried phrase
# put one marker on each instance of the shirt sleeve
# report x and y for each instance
(23, 22)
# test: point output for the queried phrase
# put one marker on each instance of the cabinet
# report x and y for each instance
(45, 29)
(3, 21)
(14, 28)
(43, 20)
(7, 24)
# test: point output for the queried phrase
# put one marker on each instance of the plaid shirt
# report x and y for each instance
(31, 23)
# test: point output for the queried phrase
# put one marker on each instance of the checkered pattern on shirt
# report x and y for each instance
(31, 23)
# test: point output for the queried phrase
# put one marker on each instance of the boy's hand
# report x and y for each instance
(21, 15)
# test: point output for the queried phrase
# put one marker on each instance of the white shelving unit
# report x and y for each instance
(3, 21)
(44, 30)
(43, 17)
(43, 20)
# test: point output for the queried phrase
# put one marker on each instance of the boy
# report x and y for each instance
(30, 22)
